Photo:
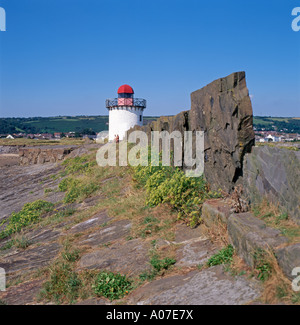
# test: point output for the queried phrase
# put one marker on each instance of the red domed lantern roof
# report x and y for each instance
(125, 89)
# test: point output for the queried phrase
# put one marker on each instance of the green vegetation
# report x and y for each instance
(78, 165)
(281, 124)
(92, 124)
(262, 265)
(63, 285)
(274, 217)
(111, 285)
(77, 124)
(70, 255)
(169, 185)
(158, 265)
(29, 214)
(224, 256)
(77, 189)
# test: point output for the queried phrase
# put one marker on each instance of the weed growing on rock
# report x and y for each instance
(112, 285)
(158, 265)
(224, 256)
(262, 265)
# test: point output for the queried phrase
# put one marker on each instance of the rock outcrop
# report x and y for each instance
(274, 173)
(43, 154)
(223, 111)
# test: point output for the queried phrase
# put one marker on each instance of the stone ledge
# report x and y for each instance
(288, 258)
(248, 233)
(215, 210)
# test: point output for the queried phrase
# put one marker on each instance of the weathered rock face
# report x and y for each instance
(223, 111)
(274, 173)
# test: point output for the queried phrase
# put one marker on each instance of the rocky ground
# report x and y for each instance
(106, 242)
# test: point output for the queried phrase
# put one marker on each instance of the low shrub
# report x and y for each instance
(112, 286)
(171, 186)
(29, 214)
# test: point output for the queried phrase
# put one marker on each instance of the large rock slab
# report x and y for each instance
(248, 234)
(193, 247)
(274, 173)
(195, 252)
(22, 294)
(21, 261)
(130, 258)
(23, 184)
(109, 234)
(207, 287)
(98, 219)
(288, 258)
(223, 111)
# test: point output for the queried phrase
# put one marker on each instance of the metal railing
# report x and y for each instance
(135, 102)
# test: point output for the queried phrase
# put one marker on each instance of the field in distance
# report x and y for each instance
(96, 124)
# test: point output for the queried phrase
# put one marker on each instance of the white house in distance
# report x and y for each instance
(125, 112)
(270, 138)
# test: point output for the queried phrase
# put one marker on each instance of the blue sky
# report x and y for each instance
(65, 57)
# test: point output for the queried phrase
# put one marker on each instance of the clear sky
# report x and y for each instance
(65, 57)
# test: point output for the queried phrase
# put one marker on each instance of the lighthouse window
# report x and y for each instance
(124, 95)
(140, 118)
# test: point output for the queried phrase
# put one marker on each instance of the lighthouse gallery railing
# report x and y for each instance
(137, 102)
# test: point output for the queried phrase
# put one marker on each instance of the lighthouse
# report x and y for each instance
(125, 112)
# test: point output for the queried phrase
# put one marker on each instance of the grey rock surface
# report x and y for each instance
(289, 258)
(249, 233)
(206, 287)
(274, 173)
(130, 258)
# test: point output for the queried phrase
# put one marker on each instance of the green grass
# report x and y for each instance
(158, 265)
(63, 285)
(77, 188)
(224, 256)
(262, 265)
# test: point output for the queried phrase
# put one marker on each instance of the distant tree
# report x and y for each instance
(88, 131)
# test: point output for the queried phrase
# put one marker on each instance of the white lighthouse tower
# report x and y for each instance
(124, 112)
